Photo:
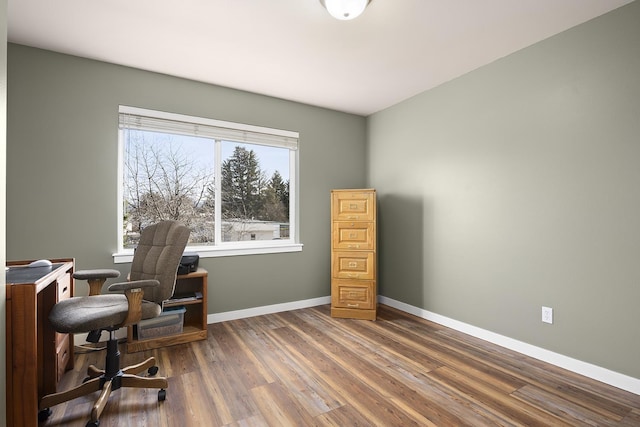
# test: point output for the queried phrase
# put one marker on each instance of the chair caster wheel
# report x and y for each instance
(93, 423)
(152, 371)
(44, 414)
(162, 395)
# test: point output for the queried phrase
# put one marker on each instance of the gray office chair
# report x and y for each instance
(151, 281)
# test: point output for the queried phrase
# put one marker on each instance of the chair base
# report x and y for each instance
(108, 380)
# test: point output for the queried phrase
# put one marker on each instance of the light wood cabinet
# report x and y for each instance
(353, 254)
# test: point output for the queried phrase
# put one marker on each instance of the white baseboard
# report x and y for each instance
(267, 309)
(598, 373)
(589, 370)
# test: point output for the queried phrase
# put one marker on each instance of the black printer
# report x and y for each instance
(188, 263)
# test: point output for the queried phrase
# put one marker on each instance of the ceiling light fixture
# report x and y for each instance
(345, 9)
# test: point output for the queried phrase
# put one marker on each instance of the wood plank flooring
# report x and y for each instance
(303, 368)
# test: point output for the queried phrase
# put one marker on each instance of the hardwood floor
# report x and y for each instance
(303, 368)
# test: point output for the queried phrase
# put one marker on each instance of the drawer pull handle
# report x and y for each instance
(353, 305)
(353, 264)
(64, 290)
(354, 246)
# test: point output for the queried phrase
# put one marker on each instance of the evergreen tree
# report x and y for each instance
(276, 200)
(281, 188)
(242, 185)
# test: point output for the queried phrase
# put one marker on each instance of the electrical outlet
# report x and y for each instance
(547, 314)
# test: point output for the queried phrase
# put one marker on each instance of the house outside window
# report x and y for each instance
(234, 185)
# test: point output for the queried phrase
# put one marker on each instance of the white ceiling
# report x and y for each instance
(293, 49)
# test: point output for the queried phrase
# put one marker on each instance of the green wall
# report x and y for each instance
(517, 186)
(61, 173)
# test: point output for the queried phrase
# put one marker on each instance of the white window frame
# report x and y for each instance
(217, 130)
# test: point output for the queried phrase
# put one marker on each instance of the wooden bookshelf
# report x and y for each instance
(195, 316)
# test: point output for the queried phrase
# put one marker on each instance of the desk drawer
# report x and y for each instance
(60, 338)
(63, 355)
(64, 287)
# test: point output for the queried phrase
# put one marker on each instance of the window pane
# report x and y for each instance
(228, 182)
(254, 192)
(168, 176)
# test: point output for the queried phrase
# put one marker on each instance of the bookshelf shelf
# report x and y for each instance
(186, 302)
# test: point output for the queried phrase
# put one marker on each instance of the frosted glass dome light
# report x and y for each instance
(345, 9)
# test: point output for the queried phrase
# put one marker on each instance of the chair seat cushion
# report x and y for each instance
(83, 314)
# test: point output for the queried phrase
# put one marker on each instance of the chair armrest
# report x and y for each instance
(133, 292)
(95, 278)
(95, 274)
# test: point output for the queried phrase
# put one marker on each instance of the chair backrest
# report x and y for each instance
(157, 256)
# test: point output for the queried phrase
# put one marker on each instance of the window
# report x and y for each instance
(233, 185)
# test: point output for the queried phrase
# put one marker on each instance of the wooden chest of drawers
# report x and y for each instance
(353, 254)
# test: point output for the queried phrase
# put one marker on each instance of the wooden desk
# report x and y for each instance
(37, 356)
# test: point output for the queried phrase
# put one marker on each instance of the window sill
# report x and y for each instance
(225, 250)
